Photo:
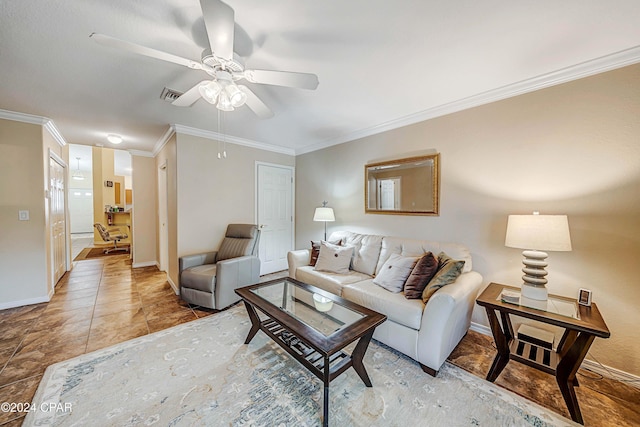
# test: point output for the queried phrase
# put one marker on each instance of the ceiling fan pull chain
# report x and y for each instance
(219, 131)
(224, 139)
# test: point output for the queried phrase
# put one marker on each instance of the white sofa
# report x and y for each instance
(426, 333)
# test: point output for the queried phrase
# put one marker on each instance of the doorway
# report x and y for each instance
(274, 216)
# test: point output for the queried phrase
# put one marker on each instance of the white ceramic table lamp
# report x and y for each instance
(536, 233)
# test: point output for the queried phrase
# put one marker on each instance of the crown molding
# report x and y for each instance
(163, 140)
(23, 117)
(55, 133)
(48, 124)
(232, 139)
(141, 153)
(599, 65)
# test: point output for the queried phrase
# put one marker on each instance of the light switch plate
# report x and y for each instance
(23, 215)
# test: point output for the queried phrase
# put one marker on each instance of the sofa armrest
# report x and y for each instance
(235, 273)
(296, 259)
(446, 319)
(194, 260)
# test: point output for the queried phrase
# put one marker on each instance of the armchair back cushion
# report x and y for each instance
(239, 240)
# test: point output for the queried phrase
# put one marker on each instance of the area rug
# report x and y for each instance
(87, 253)
(202, 374)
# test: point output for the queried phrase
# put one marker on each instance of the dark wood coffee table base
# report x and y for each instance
(288, 311)
(325, 367)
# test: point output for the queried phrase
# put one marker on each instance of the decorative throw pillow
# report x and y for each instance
(315, 249)
(448, 271)
(394, 272)
(422, 273)
(333, 258)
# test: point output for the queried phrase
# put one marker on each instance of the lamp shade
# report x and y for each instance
(324, 214)
(538, 232)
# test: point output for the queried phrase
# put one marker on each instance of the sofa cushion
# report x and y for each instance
(315, 249)
(366, 250)
(422, 273)
(412, 247)
(396, 307)
(394, 272)
(330, 282)
(200, 277)
(333, 258)
(448, 271)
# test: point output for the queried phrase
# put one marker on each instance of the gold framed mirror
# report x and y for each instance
(409, 186)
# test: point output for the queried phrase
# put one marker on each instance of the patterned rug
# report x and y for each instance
(201, 374)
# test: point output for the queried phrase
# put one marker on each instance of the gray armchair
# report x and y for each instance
(210, 279)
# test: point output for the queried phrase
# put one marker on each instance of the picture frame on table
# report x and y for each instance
(584, 297)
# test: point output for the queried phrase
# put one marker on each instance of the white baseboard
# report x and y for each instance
(173, 285)
(20, 303)
(612, 373)
(144, 264)
(591, 365)
(481, 329)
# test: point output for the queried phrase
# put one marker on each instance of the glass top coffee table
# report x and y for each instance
(313, 326)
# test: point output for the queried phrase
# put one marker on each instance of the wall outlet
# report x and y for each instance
(23, 215)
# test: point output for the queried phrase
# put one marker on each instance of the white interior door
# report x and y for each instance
(162, 217)
(57, 219)
(274, 202)
(389, 194)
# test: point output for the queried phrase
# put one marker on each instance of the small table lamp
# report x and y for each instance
(536, 233)
(325, 215)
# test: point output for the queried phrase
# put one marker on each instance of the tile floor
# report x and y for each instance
(104, 301)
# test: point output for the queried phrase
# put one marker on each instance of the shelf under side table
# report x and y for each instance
(535, 356)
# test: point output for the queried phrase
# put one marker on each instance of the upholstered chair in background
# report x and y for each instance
(209, 279)
(111, 237)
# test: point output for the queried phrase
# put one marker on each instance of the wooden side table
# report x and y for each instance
(580, 329)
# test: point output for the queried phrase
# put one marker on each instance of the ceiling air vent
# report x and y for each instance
(169, 95)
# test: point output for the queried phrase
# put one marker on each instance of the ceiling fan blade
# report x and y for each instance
(188, 98)
(142, 50)
(255, 104)
(282, 78)
(219, 21)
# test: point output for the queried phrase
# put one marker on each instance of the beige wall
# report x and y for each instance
(571, 149)
(144, 220)
(102, 170)
(24, 245)
(215, 192)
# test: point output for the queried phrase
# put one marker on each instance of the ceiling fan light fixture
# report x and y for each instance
(236, 96)
(210, 91)
(224, 103)
(114, 139)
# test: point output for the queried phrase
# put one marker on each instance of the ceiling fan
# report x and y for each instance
(222, 64)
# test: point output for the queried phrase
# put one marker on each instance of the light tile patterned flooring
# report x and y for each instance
(104, 301)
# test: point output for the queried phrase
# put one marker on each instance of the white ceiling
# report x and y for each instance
(380, 63)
